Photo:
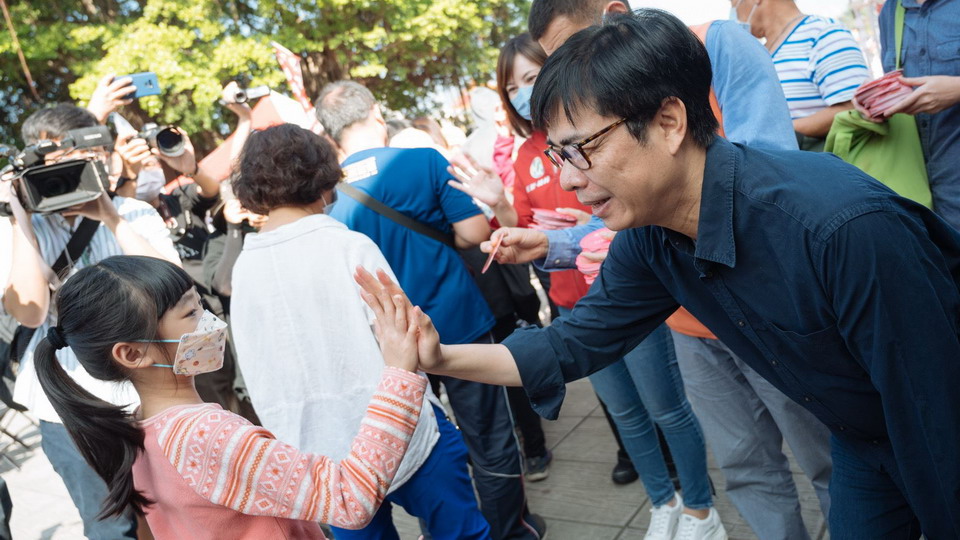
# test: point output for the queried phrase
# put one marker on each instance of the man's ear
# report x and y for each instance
(670, 123)
(616, 8)
(377, 114)
(131, 355)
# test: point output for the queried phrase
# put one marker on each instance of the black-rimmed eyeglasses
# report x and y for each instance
(574, 152)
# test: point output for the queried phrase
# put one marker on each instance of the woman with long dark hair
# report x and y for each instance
(194, 469)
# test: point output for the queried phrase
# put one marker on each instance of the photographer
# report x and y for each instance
(126, 227)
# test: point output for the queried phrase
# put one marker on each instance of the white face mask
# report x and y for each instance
(200, 351)
(328, 206)
(736, 18)
(150, 183)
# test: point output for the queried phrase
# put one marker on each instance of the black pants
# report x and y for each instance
(483, 416)
(527, 421)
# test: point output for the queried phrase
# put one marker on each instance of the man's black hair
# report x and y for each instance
(543, 12)
(626, 68)
(54, 122)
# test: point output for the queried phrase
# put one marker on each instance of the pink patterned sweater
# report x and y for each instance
(212, 474)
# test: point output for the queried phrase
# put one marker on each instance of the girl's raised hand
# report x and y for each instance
(382, 295)
(395, 330)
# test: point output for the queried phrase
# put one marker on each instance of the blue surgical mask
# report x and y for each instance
(736, 18)
(521, 101)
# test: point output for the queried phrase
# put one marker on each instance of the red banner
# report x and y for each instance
(290, 64)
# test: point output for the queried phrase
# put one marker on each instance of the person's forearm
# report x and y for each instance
(131, 243)
(490, 364)
(27, 294)
(506, 214)
(240, 136)
(207, 186)
(563, 246)
(818, 124)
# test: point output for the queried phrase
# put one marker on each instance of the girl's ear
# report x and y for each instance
(131, 355)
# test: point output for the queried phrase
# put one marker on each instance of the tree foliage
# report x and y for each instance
(403, 50)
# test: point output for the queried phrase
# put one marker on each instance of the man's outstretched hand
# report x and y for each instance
(518, 245)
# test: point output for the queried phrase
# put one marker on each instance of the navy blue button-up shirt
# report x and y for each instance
(931, 46)
(839, 292)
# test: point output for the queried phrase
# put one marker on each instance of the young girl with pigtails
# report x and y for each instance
(194, 469)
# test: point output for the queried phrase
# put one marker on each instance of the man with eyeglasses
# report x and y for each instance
(842, 294)
(745, 419)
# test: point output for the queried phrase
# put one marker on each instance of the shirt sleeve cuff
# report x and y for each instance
(540, 374)
(564, 246)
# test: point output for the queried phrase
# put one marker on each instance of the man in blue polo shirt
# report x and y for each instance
(842, 294)
(414, 183)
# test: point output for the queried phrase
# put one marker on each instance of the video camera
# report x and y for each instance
(46, 189)
(244, 95)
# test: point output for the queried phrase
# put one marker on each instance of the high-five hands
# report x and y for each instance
(406, 334)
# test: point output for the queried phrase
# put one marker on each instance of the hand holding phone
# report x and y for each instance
(145, 84)
(111, 93)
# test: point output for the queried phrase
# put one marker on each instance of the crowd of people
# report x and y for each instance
(248, 357)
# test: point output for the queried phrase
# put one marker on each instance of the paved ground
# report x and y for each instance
(578, 499)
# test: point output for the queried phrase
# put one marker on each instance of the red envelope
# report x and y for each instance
(493, 253)
(552, 214)
(596, 242)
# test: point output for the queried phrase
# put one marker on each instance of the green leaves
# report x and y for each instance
(402, 50)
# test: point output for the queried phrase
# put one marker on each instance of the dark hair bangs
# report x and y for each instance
(165, 286)
(154, 285)
(627, 68)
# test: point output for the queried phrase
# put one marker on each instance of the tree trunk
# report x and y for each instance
(91, 9)
(320, 68)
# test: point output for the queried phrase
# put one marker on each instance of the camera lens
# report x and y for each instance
(169, 142)
(56, 185)
(240, 96)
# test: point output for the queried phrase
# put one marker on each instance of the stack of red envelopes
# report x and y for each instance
(878, 96)
(551, 220)
(596, 242)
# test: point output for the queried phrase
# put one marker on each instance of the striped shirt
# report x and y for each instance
(213, 474)
(52, 233)
(819, 64)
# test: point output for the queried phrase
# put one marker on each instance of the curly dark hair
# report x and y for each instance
(285, 165)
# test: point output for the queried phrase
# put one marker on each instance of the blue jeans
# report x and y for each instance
(645, 388)
(746, 419)
(440, 493)
(85, 486)
(868, 494)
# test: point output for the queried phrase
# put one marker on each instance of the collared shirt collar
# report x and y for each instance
(715, 240)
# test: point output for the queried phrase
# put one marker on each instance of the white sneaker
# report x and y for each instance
(691, 528)
(664, 519)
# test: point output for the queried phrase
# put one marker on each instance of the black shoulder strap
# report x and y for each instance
(78, 242)
(391, 214)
